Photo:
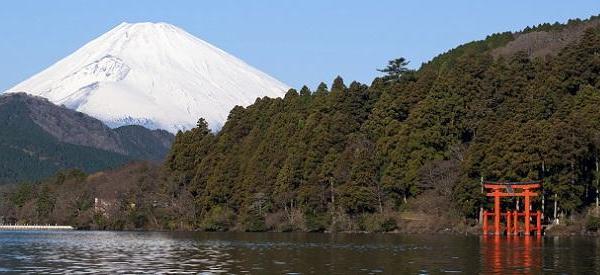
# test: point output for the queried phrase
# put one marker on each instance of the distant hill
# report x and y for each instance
(37, 138)
(546, 39)
(540, 41)
(141, 143)
(413, 143)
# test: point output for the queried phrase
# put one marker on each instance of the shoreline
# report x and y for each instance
(554, 231)
(16, 227)
(474, 231)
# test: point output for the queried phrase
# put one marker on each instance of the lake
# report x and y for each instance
(291, 253)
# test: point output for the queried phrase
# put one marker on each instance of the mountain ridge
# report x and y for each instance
(38, 138)
(152, 74)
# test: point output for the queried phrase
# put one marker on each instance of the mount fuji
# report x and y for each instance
(152, 74)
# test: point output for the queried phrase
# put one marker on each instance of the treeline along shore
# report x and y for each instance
(404, 154)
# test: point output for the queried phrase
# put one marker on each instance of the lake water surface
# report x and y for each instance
(291, 253)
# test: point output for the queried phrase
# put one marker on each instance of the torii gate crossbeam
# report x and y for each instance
(496, 190)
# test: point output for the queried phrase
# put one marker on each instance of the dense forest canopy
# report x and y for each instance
(348, 156)
(356, 148)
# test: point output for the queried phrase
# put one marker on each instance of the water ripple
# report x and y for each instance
(248, 253)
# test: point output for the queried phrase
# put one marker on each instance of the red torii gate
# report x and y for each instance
(495, 189)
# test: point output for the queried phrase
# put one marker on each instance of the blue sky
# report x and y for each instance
(298, 42)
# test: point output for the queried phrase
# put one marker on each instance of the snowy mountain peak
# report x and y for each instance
(152, 74)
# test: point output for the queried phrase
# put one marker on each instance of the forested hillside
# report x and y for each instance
(38, 138)
(358, 157)
(28, 152)
(340, 152)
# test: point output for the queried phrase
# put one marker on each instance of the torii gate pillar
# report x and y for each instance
(512, 218)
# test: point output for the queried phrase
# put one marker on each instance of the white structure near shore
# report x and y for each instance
(5, 227)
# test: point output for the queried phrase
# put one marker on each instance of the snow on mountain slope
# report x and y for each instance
(152, 74)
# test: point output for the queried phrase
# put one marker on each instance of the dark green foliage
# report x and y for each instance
(360, 150)
(145, 144)
(351, 157)
(547, 27)
(396, 69)
(378, 223)
(592, 223)
(316, 222)
(27, 152)
(38, 138)
(251, 222)
(218, 219)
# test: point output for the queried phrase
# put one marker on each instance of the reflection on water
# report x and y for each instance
(537, 255)
(281, 253)
(511, 254)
